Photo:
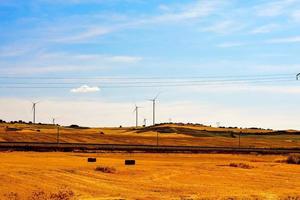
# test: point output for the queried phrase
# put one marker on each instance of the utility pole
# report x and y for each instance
(240, 139)
(157, 138)
(57, 137)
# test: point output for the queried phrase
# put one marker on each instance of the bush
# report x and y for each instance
(75, 126)
(293, 159)
(12, 196)
(110, 170)
(240, 165)
(61, 194)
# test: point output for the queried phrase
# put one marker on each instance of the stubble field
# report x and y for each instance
(155, 176)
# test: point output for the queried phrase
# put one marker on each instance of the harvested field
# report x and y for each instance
(156, 176)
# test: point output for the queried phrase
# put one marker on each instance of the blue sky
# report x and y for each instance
(139, 38)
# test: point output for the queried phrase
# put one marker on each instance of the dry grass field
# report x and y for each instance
(169, 134)
(31, 175)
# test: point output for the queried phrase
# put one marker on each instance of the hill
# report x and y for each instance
(169, 134)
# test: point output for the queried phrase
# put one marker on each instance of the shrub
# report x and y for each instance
(240, 165)
(39, 195)
(74, 126)
(63, 194)
(110, 170)
(293, 159)
(12, 196)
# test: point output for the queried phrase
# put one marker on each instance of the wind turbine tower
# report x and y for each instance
(153, 107)
(33, 110)
(136, 110)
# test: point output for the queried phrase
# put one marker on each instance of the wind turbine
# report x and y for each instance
(136, 110)
(33, 109)
(53, 121)
(153, 107)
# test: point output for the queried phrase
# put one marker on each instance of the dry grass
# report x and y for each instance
(157, 176)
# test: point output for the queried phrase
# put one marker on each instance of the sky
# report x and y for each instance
(53, 51)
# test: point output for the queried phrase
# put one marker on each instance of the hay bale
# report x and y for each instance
(92, 159)
(129, 162)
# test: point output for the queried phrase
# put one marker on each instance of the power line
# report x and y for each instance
(144, 82)
(150, 82)
(141, 78)
(151, 86)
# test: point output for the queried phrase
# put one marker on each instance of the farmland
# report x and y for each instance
(36, 175)
(155, 176)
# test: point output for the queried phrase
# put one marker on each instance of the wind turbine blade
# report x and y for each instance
(157, 96)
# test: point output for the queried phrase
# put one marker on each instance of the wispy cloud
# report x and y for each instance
(66, 56)
(50, 62)
(265, 28)
(296, 15)
(89, 33)
(231, 44)
(223, 27)
(187, 12)
(124, 59)
(171, 14)
(294, 39)
(275, 8)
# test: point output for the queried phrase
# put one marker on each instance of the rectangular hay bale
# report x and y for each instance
(92, 159)
(129, 162)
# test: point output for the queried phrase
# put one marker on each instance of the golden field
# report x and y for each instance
(155, 176)
(169, 134)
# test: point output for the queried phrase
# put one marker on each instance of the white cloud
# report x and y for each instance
(91, 32)
(91, 57)
(275, 8)
(296, 16)
(294, 39)
(124, 59)
(172, 14)
(223, 27)
(186, 12)
(265, 29)
(85, 89)
(49, 62)
(231, 44)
